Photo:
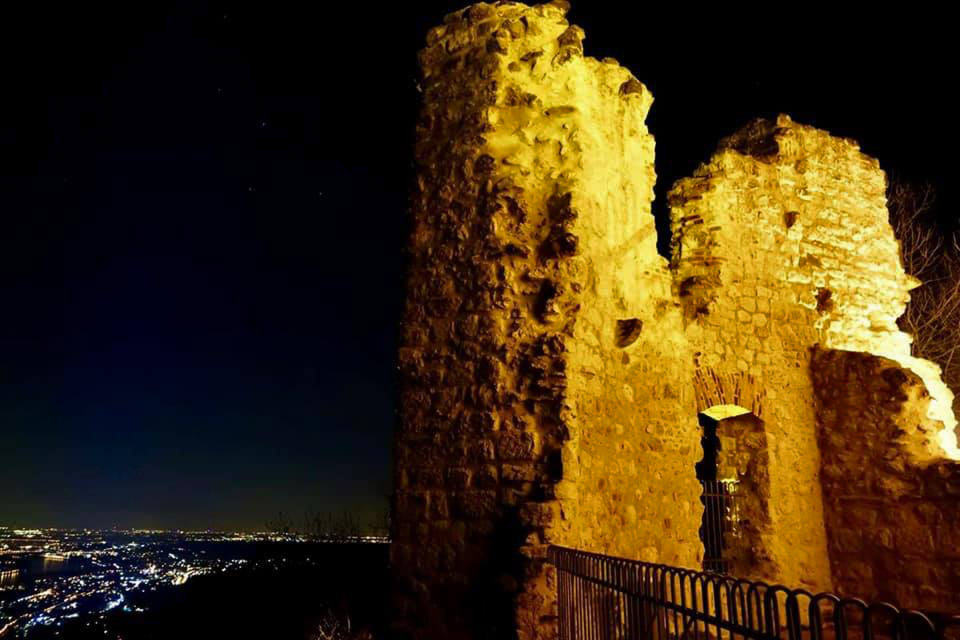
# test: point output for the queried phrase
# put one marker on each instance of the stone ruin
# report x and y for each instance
(558, 375)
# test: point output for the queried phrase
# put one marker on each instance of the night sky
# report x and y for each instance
(202, 222)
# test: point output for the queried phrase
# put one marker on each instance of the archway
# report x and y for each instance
(734, 474)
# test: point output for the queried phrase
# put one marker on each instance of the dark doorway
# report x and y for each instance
(734, 475)
(717, 498)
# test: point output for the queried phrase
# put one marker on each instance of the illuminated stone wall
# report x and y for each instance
(892, 511)
(539, 326)
(553, 365)
(782, 242)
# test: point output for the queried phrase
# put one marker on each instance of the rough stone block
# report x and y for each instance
(476, 504)
(538, 514)
(458, 478)
(517, 445)
(517, 473)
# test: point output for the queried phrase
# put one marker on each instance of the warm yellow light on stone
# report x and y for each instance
(553, 365)
(804, 215)
(944, 444)
(724, 411)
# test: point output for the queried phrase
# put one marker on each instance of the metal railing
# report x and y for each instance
(718, 529)
(606, 598)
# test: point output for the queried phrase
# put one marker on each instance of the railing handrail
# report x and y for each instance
(643, 599)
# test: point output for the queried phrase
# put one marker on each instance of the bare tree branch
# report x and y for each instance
(932, 255)
(332, 627)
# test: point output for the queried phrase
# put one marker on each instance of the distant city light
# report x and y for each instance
(49, 576)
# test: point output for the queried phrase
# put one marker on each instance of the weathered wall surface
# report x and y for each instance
(786, 204)
(744, 237)
(525, 356)
(552, 366)
(894, 523)
(781, 243)
(629, 486)
(469, 450)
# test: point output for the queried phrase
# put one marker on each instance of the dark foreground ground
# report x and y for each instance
(279, 597)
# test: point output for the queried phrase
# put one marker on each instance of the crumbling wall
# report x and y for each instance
(628, 487)
(552, 366)
(782, 243)
(537, 331)
(478, 375)
(745, 231)
(894, 523)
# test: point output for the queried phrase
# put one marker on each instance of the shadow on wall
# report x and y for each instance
(490, 600)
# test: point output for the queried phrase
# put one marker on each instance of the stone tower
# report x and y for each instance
(533, 284)
(556, 372)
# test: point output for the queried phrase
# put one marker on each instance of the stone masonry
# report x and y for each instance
(553, 365)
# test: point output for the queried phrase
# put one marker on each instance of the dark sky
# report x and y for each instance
(202, 220)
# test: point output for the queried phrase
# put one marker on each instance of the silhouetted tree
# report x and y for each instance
(329, 526)
(332, 627)
(380, 522)
(281, 523)
(332, 527)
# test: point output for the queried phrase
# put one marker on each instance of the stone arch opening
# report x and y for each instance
(735, 477)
